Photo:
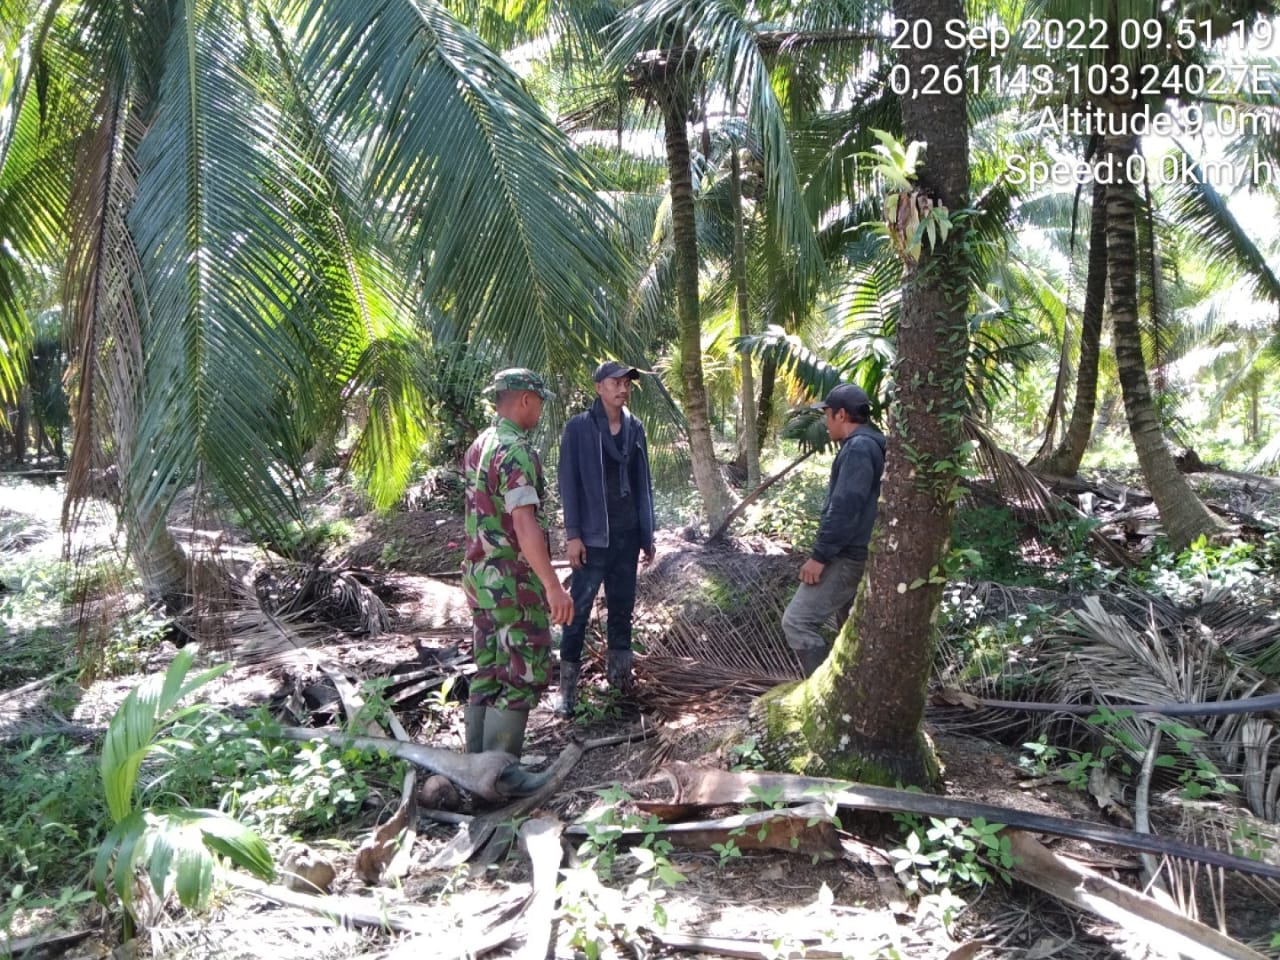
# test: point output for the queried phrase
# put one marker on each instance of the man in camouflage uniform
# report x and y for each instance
(507, 575)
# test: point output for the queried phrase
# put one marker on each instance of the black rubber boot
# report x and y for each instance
(504, 730)
(569, 673)
(811, 658)
(474, 719)
(618, 668)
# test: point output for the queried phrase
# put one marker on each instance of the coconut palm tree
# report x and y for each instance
(1064, 459)
(269, 209)
(671, 51)
(1118, 102)
(860, 714)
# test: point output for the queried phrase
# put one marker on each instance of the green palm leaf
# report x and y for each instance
(726, 46)
(33, 186)
(133, 730)
(489, 204)
(177, 844)
(218, 254)
(1202, 213)
(178, 847)
(353, 303)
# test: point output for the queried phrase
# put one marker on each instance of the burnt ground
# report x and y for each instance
(759, 904)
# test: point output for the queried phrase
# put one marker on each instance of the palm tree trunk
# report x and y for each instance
(860, 715)
(1255, 430)
(1182, 514)
(19, 421)
(747, 418)
(706, 471)
(1064, 460)
(764, 407)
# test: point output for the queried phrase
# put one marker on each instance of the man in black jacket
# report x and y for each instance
(607, 495)
(829, 578)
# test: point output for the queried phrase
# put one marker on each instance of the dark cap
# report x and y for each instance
(612, 368)
(845, 396)
(518, 378)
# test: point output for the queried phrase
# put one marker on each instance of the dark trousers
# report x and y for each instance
(614, 568)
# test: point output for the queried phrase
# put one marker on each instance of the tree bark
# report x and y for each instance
(1182, 514)
(764, 407)
(706, 471)
(860, 715)
(1064, 460)
(18, 451)
(747, 414)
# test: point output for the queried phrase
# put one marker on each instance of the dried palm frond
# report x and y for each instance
(1025, 493)
(676, 687)
(1211, 825)
(336, 596)
(19, 534)
(1118, 653)
(721, 607)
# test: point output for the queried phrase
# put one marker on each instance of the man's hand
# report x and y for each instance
(560, 604)
(576, 552)
(811, 572)
(646, 555)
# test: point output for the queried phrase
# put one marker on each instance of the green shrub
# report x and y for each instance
(990, 541)
(789, 511)
(52, 811)
(279, 787)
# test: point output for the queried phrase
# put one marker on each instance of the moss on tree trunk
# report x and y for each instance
(801, 728)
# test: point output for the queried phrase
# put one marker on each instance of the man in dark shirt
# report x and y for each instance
(829, 578)
(607, 495)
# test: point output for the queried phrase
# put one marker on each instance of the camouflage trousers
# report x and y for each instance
(511, 646)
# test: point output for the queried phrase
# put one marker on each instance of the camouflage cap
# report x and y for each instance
(518, 378)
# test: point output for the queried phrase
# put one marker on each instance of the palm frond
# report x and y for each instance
(104, 326)
(33, 194)
(496, 214)
(814, 374)
(356, 310)
(388, 375)
(1136, 649)
(1202, 212)
(725, 45)
(219, 253)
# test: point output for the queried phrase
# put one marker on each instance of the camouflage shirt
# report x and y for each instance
(502, 471)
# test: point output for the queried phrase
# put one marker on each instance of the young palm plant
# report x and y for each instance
(176, 846)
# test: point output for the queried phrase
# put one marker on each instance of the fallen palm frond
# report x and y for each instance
(479, 832)
(721, 606)
(479, 773)
(540, 840)
(675, 687)
(807, 829)
(684, 785)
(1134, 649)
(338, 597)
(1154, 924)
(1026, 493)
(1109, 658)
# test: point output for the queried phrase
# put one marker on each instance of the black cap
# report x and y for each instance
(612, 368)
(845, 396)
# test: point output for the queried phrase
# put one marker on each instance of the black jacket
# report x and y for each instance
(581, 480)
(853, 495)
